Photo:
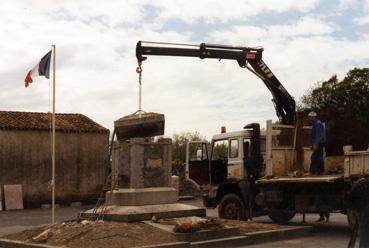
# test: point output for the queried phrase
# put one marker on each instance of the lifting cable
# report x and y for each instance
(139, 71)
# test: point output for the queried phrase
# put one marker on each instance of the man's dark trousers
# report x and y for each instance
(317, 161)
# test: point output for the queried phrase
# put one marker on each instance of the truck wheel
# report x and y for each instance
(281, 216)
(231, 207)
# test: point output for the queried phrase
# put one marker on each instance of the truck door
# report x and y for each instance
(219, 161)
(246, 154)
(235, 159)
(197, 163)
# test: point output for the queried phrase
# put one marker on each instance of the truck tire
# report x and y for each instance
(231, 207)
(358, 198)
(281, 216)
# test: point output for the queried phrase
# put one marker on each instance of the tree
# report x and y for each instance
(220, 150)
(350, 95)
(344, 107)
(179, 146)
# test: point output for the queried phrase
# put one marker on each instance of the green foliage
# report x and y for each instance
(220, 150)
(350, 95)
(344, 107)
(179, 149)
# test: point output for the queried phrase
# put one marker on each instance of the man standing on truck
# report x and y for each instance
(317, 157)
(318, 141)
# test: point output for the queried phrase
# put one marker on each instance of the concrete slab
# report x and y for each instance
(199, 235)
(142, 196)
(6, 243)
(186, 198)
(140, 213)
(13, 197)
(260, 238)
(285, 233)
(168, 245)
(234, 241)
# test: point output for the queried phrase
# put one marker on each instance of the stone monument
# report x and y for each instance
(141, 174)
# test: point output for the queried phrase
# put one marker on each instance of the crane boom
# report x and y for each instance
(247, 57)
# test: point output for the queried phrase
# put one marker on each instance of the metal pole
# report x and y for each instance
(53, 143)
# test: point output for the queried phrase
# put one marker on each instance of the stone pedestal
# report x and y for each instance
(142, 170)
(142, 196)
(146, 212)
(141, 163)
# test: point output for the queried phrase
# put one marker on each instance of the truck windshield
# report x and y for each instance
(220, 149)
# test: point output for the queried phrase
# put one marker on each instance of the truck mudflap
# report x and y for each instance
(209, 201)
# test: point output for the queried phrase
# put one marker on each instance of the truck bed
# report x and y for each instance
(305, 179)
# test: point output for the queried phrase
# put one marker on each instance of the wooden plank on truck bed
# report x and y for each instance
(306, 179)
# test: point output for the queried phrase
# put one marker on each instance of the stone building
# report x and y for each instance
(25, 156)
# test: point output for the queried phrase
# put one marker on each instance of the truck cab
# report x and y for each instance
(229, 164)
(228, 153)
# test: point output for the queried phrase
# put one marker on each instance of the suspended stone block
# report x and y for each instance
(146, 125)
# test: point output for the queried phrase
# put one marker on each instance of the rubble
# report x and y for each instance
(75, 234)
(42, 237)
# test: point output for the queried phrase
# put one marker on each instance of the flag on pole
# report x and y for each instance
(41, 69)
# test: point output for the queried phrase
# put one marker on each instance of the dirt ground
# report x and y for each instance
(95, 235)
(113, 234)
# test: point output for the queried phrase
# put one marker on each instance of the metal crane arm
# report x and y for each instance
(247, 57)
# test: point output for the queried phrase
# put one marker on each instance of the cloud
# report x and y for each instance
(307, 26)
(96, 58)
(361, 7)
(301, 53)
(362, 20)
(223, 11)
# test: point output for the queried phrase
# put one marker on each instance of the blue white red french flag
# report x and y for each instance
(41, 69)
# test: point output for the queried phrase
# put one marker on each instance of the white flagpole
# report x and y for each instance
(53, 142)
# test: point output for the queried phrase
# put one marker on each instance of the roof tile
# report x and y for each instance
(42, 121)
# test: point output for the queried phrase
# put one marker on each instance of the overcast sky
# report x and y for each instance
(305, 41)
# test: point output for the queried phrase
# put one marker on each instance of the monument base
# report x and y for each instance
(140, 213)
(142, 196)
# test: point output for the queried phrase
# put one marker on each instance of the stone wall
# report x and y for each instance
(25, 158)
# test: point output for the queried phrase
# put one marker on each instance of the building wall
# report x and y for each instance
(81, 158)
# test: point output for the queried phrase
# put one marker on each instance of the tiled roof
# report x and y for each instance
(42, 121)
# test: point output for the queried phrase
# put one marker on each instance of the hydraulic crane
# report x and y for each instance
(246, 57)
(236, 180)
(240, 190)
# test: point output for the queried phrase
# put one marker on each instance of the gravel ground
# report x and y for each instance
(113, 234)
(95, 235)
